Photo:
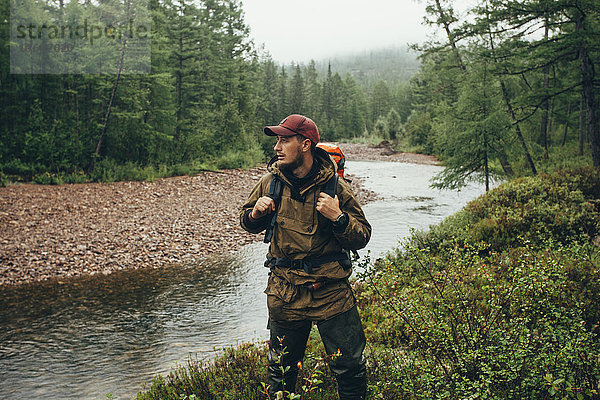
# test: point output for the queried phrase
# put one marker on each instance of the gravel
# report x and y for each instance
(56, 232)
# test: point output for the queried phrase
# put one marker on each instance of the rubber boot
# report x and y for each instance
(344, 332)
(287, 344)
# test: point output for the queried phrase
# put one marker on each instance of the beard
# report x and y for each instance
(295, 163)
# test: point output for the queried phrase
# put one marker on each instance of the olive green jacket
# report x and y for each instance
(302, 232)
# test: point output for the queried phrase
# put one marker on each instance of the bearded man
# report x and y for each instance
(310, 234)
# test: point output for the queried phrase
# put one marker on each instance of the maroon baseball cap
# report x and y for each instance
(295, 124)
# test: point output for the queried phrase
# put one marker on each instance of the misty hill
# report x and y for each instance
(392, 65)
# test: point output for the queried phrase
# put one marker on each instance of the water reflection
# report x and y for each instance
(87, 337)
(83, 338)
(408, 202)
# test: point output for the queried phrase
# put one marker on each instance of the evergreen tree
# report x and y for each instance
(381, 100)
(313, 92)
(282, 101)
(297, 92)
(393, 123)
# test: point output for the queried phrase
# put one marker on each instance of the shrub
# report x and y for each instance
(240, 158)
(497, 302)
(239, 373)
(236, 374)
(518, 324)
(16, 170)
(108, 170)
(558, 206)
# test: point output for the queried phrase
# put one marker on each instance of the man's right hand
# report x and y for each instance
(264, 205)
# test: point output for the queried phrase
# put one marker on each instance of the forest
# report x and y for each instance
(499, 301)
(203, 104)
(510, 90)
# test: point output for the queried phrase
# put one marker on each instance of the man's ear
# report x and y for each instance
(306, 144)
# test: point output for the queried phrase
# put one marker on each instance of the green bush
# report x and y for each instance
(558, 206)
(494, 327)
(235, 374)
(239, 373)
(108, 170)
(48, 179)
(240, 158)
(500, 301)
(17, 170)
(179, 170)
(76, 177)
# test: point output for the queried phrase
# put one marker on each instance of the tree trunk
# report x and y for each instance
(486, 169)
(517, 128)
(506, 167)
(110, 102)
(545, 105)
(179, 90)
(76, 110)
(512, 114)
(566, 129)
(451, 40)
(550, 120)
(591, 108)
(581, 126)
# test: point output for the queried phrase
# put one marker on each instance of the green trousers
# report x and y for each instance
(344, 332)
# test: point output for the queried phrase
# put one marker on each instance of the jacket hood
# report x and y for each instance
(327, 168)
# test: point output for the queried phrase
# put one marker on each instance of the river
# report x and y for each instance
(88, 337)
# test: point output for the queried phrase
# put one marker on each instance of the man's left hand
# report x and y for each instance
(329, 206)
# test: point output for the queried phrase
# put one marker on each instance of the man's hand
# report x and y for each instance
(329, 206)
(264, 205)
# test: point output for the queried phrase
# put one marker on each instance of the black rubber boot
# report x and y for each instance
(345, 333)
(287, 344)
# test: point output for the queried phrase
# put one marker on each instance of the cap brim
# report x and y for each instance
(278, 130)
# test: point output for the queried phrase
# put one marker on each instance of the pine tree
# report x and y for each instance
(297, 92)
(313, 92)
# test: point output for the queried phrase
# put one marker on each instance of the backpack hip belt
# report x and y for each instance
(307, 264)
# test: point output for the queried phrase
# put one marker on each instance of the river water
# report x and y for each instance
(87, 337)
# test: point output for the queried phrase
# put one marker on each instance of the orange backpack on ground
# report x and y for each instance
(337, 154)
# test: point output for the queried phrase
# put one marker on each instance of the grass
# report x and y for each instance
(110, 171)
(239, 373)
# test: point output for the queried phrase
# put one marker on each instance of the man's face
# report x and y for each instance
(289, 151)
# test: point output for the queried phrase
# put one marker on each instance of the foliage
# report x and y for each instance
(312, 377)
(240, 373)
(205, 101)
(240, 159)
(451, 315)
(557, 206)
(393, 123)
(236, 374)
(510, 90)
(518, 324)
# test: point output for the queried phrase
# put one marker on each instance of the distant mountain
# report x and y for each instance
(392, 65)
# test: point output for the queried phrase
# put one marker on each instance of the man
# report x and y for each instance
(312, 233)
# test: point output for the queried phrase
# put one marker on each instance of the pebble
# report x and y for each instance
(54, 232)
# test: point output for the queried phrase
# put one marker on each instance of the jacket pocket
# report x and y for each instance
(281, 289)
(333, 291)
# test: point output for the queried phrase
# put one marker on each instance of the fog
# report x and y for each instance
(293, 31)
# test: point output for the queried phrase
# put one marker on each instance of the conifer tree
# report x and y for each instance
(297, 92)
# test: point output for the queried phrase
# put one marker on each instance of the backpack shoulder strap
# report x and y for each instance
(330, 187)
(275, 190)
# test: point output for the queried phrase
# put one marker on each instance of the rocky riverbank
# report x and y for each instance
(71, 230)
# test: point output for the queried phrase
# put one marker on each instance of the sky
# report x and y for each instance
(299, 31)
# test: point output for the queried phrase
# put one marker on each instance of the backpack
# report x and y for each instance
(337, 154)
